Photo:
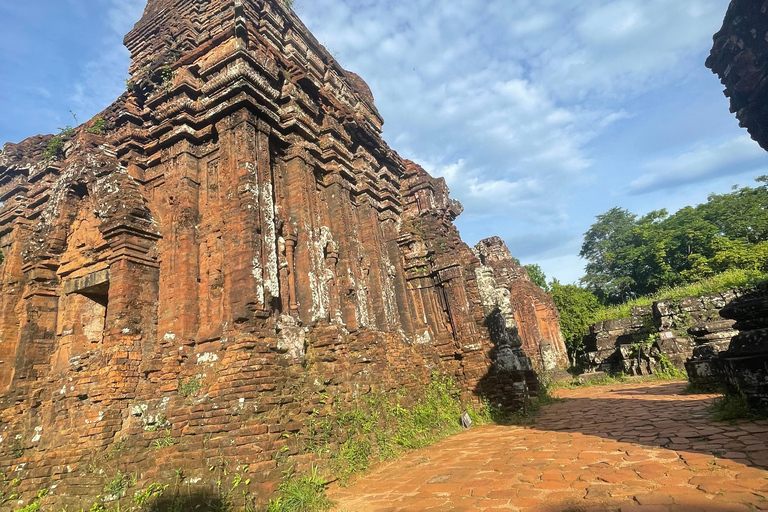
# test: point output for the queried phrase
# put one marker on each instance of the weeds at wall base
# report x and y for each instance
(380, 426)
(733, 407)
(621, 378)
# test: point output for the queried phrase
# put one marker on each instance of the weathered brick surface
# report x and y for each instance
(237, 253)
(739, 57)
(535, 313)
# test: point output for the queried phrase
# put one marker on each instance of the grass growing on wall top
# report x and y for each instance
(728, 280)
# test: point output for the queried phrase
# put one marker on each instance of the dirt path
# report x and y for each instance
(633, 448)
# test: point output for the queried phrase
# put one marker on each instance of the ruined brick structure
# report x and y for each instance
(237, 252)
(650, 337)
(739, 57)
(535, 312)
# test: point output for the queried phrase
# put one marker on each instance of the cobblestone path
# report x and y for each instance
(629, 448)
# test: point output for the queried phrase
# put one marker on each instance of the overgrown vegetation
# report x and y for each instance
(99, 126)
(164, 442)
(190, 387)
(55, 148)
(538, 277)
(728, 280)
(115, 489)
(382, 425)
(578, 309)
(734, 406)
(379, 426)
(166, 76)
(304, 493)
(36, 503)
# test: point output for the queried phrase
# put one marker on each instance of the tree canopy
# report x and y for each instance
(629, 255)
(577, 307)
(538, 277)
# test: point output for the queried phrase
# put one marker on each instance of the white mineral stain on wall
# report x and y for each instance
(423, 338)
(207, 358)
(316, 244)
(258, 275)
(388, 289)
(271, 279)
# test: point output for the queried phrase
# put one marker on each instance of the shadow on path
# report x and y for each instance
(660, 415)
(628, 448)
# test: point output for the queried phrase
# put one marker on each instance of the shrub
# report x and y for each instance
(730, 407)
(99, 126)
(55, 148)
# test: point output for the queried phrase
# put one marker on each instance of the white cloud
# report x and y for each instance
(513, 90)
(700, 163)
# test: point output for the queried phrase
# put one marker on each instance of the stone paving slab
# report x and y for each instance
(628, 448)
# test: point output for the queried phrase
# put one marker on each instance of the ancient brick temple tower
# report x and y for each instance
(234, 242)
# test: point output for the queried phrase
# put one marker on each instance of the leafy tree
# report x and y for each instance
(621, 252)
(742, 214)
(537, 276)
(628, 256)
(577, 307)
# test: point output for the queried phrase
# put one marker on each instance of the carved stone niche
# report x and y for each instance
(82, 318)
(84, 291)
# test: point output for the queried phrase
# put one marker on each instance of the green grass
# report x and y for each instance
(381, 425)
(304, 493)
(728, 280)
(669, 373)
(733, 407)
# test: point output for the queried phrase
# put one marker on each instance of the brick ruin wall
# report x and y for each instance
(688, 332)
(739, 57)
(719, 339)
(535, 312)
(240, 225)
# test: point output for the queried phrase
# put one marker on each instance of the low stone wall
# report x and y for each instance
(687, 332)
(609, 344)
(700, 320)
(720, 339)
(743, 366)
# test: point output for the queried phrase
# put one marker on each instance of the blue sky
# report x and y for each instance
(540, 114)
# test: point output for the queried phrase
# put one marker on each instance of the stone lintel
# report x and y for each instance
(95, 283)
